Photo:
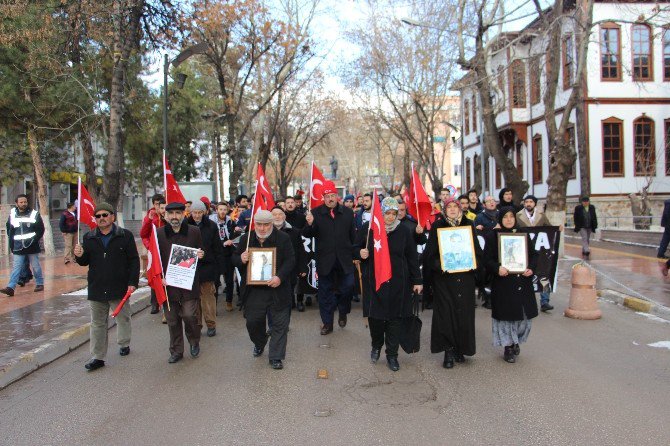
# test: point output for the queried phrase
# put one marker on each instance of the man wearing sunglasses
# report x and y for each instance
(113, 269)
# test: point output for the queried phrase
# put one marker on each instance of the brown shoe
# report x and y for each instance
(39, 288)
(164, 321)
(8, 291)
(229, 306)
(326, 329)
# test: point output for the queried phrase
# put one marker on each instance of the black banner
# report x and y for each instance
(310, 283)
(546, 241)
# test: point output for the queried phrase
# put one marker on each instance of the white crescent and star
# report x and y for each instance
(378, 244)
(311, 188)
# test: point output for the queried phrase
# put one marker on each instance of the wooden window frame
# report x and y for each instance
(474, 114)
(535, 77)
(665, 44)
(666, 134)
(650, 67)
(568, 64)
(622, 170)
(501, 86)
(537, 159)
(573, 173)
(466, 116)
(617, 28)
(519, 159)
(652, 148)
(467, 174)
(517, 99)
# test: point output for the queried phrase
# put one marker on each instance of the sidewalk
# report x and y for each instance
(37, 328)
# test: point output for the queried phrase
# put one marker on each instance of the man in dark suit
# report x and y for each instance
(586, 222)
(332, 225)
(665, 222)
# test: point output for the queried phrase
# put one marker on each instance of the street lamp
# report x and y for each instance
(180, 79)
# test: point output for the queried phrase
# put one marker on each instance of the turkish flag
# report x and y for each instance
(155, 268)
(259, 203)
(172, 192)
(380, 244)
(418, 203)
(86, 208)
(263, 188)
(316, 187)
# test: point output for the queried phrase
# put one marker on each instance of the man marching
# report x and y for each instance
(184, 313)
(113, 269)
(275, 295)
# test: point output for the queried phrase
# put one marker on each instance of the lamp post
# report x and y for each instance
(180, 79)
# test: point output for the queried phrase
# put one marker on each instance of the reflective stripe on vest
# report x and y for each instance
(16, 221)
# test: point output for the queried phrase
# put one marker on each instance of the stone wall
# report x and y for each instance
(609, 208)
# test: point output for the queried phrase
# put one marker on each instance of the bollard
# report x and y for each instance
(583, 298)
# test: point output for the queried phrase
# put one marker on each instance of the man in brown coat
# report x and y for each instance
(184, 313)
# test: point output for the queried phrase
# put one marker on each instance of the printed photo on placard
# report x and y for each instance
(513, 252)
(457, 249)
(262, 265)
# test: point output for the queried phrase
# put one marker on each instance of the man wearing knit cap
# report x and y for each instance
(332, 225)
(273, 297)
(184, 312)
(113, 269)
(210, 266)
(349, 201)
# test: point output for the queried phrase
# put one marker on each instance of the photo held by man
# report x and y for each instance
(339, 223)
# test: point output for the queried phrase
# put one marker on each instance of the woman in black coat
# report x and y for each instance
(453, 327)
(512, 295)
(386, 307)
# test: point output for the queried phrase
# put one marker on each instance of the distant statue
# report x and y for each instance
(333, 166)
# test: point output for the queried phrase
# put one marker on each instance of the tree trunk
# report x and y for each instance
(236, 159)
(42, 193)
(89, 165)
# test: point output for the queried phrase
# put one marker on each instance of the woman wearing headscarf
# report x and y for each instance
(512, 295)
(453, 327)
(386, 308)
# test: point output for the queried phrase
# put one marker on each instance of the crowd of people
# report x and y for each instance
(344, 257)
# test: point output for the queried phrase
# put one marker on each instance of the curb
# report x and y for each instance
(60, 345)
(636, 304)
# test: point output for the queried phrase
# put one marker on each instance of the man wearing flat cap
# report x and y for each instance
(113, 269)
(273, 296)
(184, 313)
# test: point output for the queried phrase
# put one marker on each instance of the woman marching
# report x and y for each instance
(453, 327)
(385, 308)
(512, 295)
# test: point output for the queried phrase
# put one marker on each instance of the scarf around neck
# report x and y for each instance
(392, 226)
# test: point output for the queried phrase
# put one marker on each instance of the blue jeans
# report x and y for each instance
(544, 297)
(335, 292)
(17, 269)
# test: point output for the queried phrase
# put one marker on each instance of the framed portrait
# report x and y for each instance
(513, 252)
(457, 249)
(262, 265)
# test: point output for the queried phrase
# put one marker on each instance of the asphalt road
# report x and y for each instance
(576, 382)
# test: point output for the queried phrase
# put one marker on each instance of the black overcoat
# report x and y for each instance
(453, 325)
(579, 217)
(512, 295)
(113, 269)
(211, 265)
(334, 238)
(394, 298)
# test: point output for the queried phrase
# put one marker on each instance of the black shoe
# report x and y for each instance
(342, 320)
(487, 304)
(124, 351)
(8, 291)
(38, 288)
(308, 301)
(392, 363)
(428, 306)
(276, 364)
(211, 332)
(448, 359)
(374, 355)
(326, 329)
(300, 306)
(175, 358)
(258, 351)
(21, 283)
(94, 364)
(356, 299)
(154, 309)
(509, 354)
(546, 307)
(663, 257)
(292, 305)
(195, 350)
(459, 358)
(516, 349)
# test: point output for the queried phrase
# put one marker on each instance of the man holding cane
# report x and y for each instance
(113, 269)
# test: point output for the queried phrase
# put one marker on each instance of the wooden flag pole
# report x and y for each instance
(78, 207)
(416, 200)
(372, 213)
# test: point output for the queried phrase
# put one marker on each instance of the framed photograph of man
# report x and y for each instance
(262, 265)
(513, 252)
(457, 249)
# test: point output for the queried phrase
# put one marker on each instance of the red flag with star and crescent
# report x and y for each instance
(380, 244)
(263, 188)
(172, 192)
(316, 187)
(155, 268)
(418, 203)
(86, 207)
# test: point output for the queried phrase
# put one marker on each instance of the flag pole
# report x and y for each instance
(78, 207)
(416, 199)
(165, 180)
(372, 215)
(311, 182)
(160, 261)
(251, 220)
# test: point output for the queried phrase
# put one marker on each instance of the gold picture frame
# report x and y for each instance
(262, 265)
(457, 249)
(513, 252)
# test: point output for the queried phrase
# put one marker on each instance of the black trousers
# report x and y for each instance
(228, 277)
(256, 309)
(387, 332)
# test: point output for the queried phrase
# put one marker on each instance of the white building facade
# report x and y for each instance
(626, 103)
